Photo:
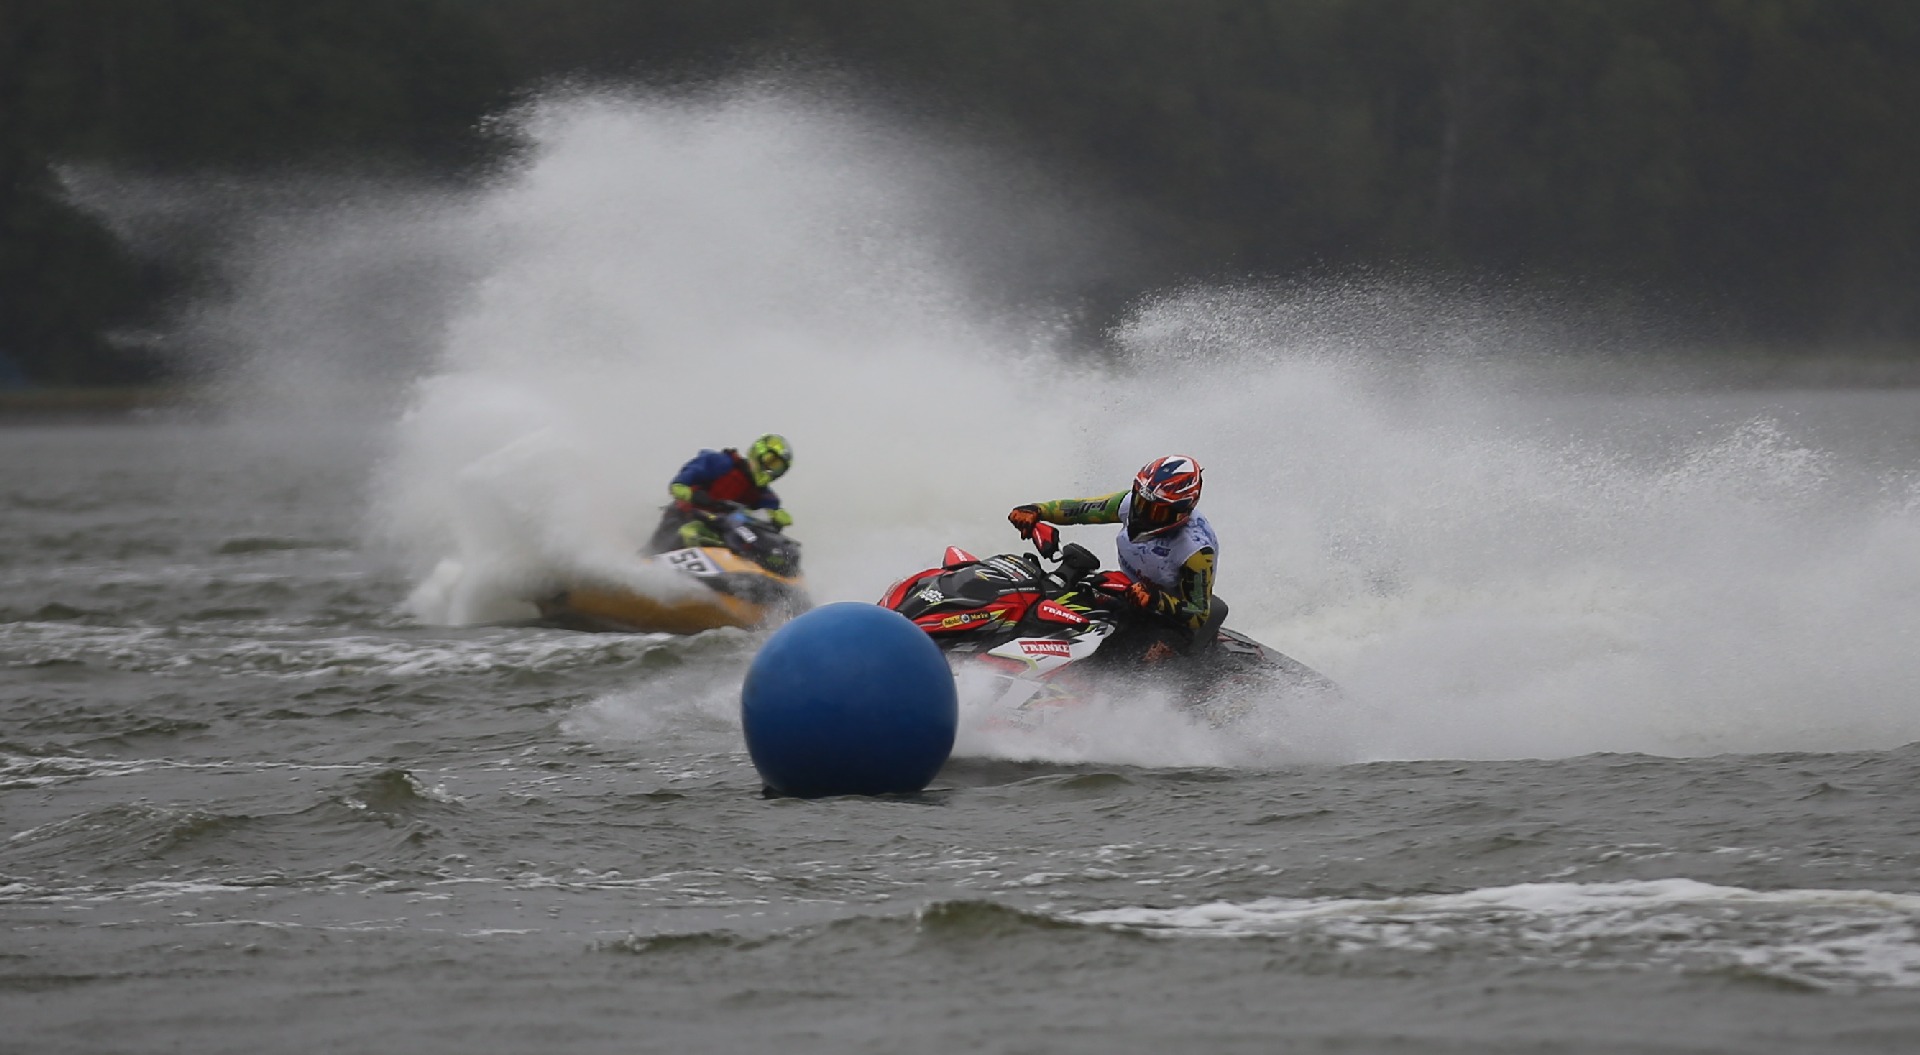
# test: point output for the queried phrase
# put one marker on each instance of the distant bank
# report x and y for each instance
(1897, 367)
(113, 403)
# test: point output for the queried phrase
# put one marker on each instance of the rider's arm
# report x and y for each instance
(771, 503)
(1104, 509)
(1191, 602)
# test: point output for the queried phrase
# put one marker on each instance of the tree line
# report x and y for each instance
(1749, 164)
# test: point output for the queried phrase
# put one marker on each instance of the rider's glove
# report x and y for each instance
(1024, 518)
(780, 517)
(1144, 595)
(1046, 539)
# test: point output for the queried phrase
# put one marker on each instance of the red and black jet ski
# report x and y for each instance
(1050, 637)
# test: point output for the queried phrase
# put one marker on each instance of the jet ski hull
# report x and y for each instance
(724, 590)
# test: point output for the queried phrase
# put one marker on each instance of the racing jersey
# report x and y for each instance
(724, 477)
(1182, 564)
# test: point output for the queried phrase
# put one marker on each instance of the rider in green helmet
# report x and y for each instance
(715, 483)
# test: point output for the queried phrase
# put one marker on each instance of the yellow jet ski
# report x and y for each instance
(752, 580)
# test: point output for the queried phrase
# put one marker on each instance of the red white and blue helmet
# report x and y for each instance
(1164, 494)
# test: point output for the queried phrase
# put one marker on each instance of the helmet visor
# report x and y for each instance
(1151, 516)
(773, 464)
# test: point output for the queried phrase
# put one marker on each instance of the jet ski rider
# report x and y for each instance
(1164, 546)
(714, 484)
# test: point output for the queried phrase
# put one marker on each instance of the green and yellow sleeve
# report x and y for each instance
(1102, 510)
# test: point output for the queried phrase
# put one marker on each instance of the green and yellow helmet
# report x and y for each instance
(769, 458)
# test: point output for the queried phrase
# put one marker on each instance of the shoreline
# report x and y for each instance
(103, 405)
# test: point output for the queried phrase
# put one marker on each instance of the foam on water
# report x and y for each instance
(193, 651)
(1411, 499)
(1821, 939)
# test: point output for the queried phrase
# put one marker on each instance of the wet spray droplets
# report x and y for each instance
(1411, 495)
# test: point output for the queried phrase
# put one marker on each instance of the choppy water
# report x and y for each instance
(1628, 765)
(249, 803)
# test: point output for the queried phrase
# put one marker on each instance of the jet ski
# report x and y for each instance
(751, 580)
(1034, 638)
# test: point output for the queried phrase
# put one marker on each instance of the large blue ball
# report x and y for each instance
(849, 699)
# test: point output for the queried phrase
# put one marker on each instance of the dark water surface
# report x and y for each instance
(248, 805)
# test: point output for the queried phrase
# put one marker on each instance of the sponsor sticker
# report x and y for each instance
(1009, 569)
(1043, 647)
(1055, 613)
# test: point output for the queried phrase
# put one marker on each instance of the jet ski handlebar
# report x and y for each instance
(725, 514)
(1076, 561)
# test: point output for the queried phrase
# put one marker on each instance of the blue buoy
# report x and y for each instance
(849, 699)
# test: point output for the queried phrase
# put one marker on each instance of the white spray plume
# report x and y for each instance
(1492, 563)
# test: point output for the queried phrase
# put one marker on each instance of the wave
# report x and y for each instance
(294, 653)
(1816, 939)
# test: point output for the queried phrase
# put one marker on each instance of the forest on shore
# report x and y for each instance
(1749, 167)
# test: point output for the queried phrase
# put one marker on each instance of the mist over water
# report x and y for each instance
(1495, 562)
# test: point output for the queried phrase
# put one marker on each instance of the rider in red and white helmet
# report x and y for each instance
(1167, 548)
